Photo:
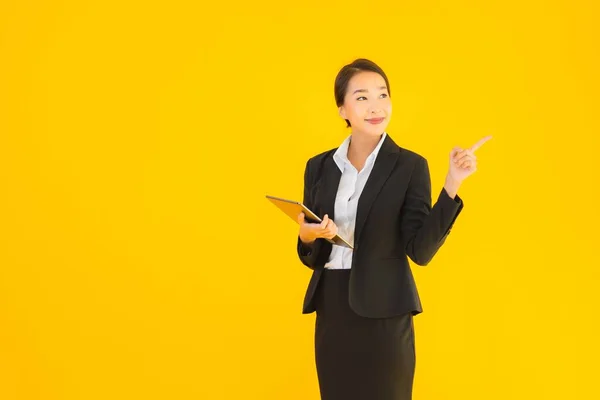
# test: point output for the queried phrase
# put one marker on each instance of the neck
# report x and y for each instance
(362, 145)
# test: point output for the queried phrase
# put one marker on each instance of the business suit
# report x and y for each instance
(394, 221)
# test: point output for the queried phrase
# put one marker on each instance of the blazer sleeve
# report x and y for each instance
(424, 228)
(316, 254)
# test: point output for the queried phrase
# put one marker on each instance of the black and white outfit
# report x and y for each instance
(365, 298)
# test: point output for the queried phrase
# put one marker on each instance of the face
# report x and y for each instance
(367, 104)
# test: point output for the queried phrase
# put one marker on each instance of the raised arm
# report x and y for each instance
(425, 228)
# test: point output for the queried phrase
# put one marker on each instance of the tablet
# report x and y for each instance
(294, 208)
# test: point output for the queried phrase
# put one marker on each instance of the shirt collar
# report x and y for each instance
(341, 154)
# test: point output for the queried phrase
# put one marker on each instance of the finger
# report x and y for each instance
(331, 226)
(462, 156)
(326, 231)
(465, 156)
(458, 155)
(480, 143)
(467, 164)
(301, 218)
(331, 231)
(471, 167)
(455, 151)
(466, 160)
(324, 222)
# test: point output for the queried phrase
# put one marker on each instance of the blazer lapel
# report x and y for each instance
(383, 167)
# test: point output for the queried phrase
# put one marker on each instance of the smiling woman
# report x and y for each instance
(379, 195)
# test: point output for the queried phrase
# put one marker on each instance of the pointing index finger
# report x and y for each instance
(480, 143)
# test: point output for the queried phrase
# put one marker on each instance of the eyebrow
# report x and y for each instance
(365, 90)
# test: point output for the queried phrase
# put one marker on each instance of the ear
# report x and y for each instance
(342, 112)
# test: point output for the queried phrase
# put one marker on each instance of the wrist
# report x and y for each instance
(308, 240)
(451, 185)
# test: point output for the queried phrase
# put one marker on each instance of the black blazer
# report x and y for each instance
(394, 221)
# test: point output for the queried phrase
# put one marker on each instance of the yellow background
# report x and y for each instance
(139, 258)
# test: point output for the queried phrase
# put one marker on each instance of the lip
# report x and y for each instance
(375, 121)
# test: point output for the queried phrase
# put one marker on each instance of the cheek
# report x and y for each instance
(387, 105)
(358, 111)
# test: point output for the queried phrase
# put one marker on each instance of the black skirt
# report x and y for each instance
(360, 358)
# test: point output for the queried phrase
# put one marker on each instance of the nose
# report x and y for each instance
(375, 108)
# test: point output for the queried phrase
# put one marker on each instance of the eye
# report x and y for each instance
(361, 97)
(384, 95)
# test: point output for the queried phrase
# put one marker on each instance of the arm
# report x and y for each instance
(424, 228)
(315, 254)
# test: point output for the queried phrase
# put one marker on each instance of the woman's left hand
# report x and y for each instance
(463, 162)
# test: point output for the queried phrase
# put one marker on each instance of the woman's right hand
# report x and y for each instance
(309, 232)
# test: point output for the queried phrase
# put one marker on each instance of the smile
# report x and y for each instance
(375, 120)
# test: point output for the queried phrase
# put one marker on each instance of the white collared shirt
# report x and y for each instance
(352, 183)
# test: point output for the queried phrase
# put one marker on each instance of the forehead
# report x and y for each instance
(366, 80)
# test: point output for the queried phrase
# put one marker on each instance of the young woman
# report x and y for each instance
(379, 195)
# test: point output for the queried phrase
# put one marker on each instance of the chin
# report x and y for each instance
(375, 130)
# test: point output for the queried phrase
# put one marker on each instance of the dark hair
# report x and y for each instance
(348, 71)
